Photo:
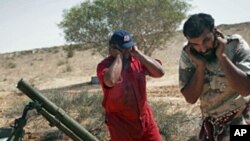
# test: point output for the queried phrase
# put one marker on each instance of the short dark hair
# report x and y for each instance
(196, 24)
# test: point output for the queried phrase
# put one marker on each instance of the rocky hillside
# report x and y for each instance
(242, 28)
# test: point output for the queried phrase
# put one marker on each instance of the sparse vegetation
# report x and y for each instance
(26, 52)
(53, 50)
(11, 65)
(53, 135)
(70, 53)
(68, 68)
(69, 50)
(86, 108)
(61, 62)
(16, 109)
(174, 125)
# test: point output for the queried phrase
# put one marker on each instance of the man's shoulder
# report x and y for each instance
(184, 60)
(235, 43)
(234, 38)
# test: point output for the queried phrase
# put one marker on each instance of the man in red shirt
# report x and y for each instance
(122, 76)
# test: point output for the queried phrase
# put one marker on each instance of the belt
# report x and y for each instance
(209, 124)
(225, 118)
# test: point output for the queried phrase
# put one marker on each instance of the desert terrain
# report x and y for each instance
(52, 70)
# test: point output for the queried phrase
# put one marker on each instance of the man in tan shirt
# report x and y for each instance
(215, 69)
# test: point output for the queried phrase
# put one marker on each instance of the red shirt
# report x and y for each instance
(126, 103)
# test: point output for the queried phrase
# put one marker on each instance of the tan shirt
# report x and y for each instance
(218, 97)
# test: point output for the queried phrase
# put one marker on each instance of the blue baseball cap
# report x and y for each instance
(123, 38)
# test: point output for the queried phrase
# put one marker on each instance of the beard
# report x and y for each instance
(209, 55)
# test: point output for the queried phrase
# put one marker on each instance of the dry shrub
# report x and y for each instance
(174, 125)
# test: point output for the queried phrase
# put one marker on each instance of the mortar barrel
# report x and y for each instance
(60, 114)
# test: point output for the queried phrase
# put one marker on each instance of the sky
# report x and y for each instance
(29, 24)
